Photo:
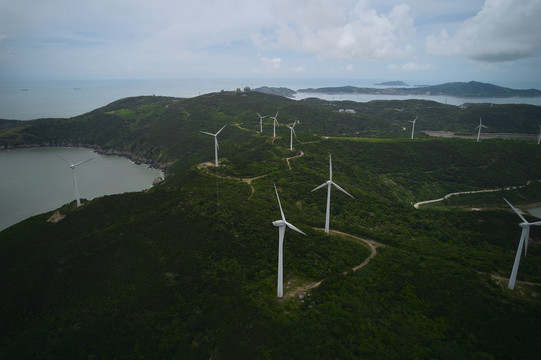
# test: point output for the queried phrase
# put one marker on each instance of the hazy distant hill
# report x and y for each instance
(282, 91)
(459, 89)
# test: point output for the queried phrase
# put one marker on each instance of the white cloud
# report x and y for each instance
(298, 69)
(411, 67)
(271, 63)
(504, 30)
(359, 32)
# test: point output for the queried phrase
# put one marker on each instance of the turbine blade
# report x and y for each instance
(516, 211)
(320, 186)
(293, 227)
(537, 223)
(280, 204)
(293, 130)
(330, 167)
(82, 162)
(220, 129)
(342, 190)
(204, 132)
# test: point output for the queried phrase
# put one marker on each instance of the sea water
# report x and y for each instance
(33, 181)
(26, 100)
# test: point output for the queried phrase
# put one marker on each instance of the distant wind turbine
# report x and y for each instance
(539, 137)
(275, 122)
(292, 128)
(329, 183)
(261, 122)
(73, 166)
(479, 127)
(413, 127)
(523, 242)
(281, 224)
(215, 143)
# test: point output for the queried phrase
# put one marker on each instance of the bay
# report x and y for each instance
(37, 180)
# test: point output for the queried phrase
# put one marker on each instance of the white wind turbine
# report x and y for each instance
(275, 122)
(479, 127)
(524, 236)
(215, 143)
(292, 128)
(281, 224)
(261, 122)
(413, 127)
(73, 166)
(329, 183)
(539, 137)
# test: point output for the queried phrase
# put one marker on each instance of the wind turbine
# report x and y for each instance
(292, 128)
(261, 122)
(413, 127)
(329, 183)
(479, 127)
(275, 122)
(539, 137)
(281, 224)
(524, 236)
(215, 143)
(73, 166)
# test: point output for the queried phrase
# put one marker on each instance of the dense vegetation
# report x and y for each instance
(188, 268)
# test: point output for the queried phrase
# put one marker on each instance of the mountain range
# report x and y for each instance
(471, 89)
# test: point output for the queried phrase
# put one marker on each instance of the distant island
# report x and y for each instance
(392, 83)
(472, 89)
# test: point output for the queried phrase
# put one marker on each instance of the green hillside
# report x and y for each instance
(187, 269)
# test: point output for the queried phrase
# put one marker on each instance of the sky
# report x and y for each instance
(494, 41)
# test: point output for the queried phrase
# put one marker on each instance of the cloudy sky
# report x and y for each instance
(450, 40)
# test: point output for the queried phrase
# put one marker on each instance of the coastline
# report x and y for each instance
(138, 160)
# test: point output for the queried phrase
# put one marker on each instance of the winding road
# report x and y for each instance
(416, 205)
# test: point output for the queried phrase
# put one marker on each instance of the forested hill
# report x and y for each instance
(188, 268)
(459, 89)
(161, 130)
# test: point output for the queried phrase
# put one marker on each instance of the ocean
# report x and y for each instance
(34, 181)
(27, 100)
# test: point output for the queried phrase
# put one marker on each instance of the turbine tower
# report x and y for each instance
(329, 183)
(261, 122)
(73, 166)
(215, 143)
(479, 127)
(539, 137)
(523, 242)
(413, 127)
(281, 224)
(292, 128)
(275, 122)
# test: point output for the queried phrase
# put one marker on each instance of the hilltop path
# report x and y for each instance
(294, 290)
(293, 157)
